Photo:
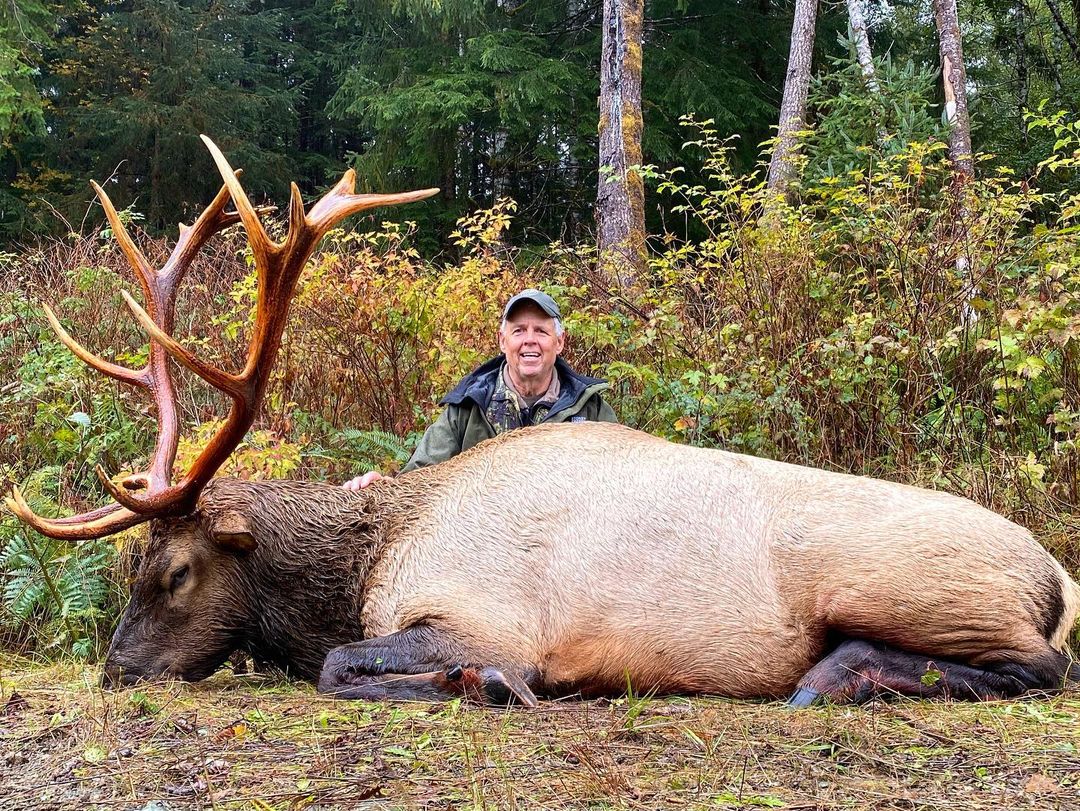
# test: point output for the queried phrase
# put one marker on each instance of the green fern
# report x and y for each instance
(25, 587)
(375, 446)
(53, 593)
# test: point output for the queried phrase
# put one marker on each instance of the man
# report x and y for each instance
(527, 385)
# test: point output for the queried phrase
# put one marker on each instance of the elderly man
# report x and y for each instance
(527, 385)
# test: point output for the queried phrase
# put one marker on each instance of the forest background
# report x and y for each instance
(877, 316)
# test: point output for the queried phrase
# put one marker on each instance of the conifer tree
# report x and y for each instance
(133, 84)
(25, 27)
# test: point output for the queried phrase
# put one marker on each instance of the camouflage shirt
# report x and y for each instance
(509, 410)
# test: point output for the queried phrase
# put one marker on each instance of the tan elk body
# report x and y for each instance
(554, 560)
(598, 556)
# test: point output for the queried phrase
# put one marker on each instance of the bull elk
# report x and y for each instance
(574, 558)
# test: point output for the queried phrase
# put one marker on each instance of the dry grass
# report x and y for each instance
(251, 742)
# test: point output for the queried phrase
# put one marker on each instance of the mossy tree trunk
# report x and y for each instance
(793, 106)
(620, 197)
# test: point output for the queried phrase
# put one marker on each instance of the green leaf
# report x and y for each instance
(80, 418)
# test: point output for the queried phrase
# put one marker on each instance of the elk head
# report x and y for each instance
(175, 621)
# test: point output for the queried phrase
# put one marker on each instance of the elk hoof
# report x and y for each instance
(803, 697)
(502, 689)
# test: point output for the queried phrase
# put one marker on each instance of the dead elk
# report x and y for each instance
(554, 560)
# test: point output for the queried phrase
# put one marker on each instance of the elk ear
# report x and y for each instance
(230, 529)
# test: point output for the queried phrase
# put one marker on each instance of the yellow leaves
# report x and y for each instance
(261, 456)
(685, 423)
(1033, 471)
(484, 229)
(237, 731)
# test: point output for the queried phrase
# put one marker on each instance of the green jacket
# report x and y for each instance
(464, 422)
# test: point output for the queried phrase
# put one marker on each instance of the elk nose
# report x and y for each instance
(114, 675)
(110, 676)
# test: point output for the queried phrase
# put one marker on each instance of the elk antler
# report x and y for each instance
(278, 266)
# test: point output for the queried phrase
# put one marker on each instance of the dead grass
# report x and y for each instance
(257, 743)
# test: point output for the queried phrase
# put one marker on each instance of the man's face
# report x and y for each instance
(530, 344)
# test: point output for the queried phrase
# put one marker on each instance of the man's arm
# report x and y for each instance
(441, 441)
(606, 413)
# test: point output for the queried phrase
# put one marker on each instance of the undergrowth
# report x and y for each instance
(842, 333)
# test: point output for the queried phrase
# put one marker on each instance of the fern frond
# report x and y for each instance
(375, 443)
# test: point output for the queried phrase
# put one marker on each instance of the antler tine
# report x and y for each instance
(261, 244)
(90, 359)
(94, 524)
(342, 202)
(230, 384)
(212, 219)
(135, 258)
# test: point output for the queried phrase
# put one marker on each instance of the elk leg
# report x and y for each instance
(419, 663)
(856, 671)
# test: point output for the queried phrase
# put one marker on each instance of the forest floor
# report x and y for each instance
(255, 742)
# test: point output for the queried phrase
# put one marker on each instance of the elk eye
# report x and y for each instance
(178, 577)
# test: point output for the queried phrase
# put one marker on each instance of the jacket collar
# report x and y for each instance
(479, 385)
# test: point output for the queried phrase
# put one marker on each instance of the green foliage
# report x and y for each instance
(493, 99)
(24, 27)
(70, 417)
(133, 84)
(484, 99)
(857, 122)
(377, 450)
(58, 597)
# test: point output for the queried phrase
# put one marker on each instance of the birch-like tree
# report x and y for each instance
(620, 198)
(954, 78)
(793, 106)
(857, 24)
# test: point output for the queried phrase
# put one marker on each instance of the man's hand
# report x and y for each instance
(360, 482)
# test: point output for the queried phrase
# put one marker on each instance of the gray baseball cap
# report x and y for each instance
(537, 297)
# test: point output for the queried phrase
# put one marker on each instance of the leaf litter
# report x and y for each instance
(258, 742)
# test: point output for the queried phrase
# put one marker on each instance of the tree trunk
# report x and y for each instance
(793, 107)
(1021, 71)
(499, 160)
(1070, 37)
(620, 197)
(857, 21)
(954, 78)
